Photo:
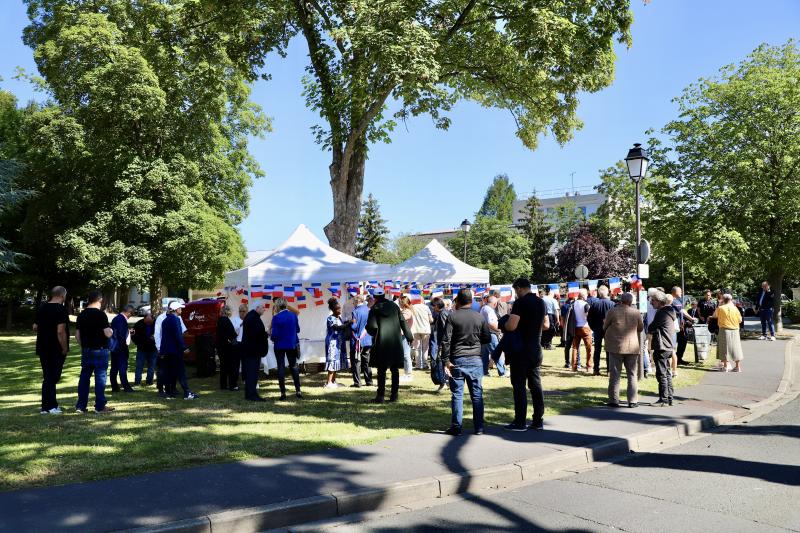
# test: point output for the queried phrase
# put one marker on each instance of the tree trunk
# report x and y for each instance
(347, 185)
(10, 313)
(775, 279)
(155, 295)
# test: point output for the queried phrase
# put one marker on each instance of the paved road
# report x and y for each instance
(745, 479)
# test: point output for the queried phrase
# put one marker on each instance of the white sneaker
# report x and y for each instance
(330, 386)
(44, 412)
(338, 385)
(772, 338)
(762, 338)
(55, 411)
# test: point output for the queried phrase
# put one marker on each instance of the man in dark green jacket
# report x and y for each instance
(385, 325)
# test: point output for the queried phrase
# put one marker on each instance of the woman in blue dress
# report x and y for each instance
(336, 343)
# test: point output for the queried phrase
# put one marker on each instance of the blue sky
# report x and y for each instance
(429, 179)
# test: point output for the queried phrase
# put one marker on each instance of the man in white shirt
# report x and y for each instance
(421, 329)
(489, 314)
(554, 314)
(582, 330)
(157, 337)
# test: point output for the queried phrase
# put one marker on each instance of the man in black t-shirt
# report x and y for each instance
(52, 344)
(93, 335)
(527, 319)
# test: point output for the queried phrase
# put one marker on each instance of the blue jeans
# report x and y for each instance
(407, 364)
(93, 362)
(141, 357)
(766, 322)
(486, 353)
(469, 370)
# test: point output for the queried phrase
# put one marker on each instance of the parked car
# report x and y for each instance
(144, 309)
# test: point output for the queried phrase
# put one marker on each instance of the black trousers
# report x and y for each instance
(52, 366)
(381, 370)
(359, 363)
(282, 356)
(250, 370)
(174, 373)
(229, 367)
(598, 337)
(525, 376)
(119, 367)
(662, 361)
(549, 333)
(682, 341)
(161, 371)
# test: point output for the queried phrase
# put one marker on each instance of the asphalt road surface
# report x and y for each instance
(745, 479)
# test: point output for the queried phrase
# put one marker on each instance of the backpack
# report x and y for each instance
(437, 372)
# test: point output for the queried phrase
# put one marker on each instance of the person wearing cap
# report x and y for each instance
(386, 325)
(172, 349)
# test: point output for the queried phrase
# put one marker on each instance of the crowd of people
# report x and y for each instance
(458, 341)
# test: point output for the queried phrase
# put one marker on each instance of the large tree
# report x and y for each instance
(372, 231)
(583, 247)
(493, 245)
(536, 229)
(733, 157)
(499, 200)
(141, 154)
(372, 63)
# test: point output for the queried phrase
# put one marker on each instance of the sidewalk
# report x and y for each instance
(340, 480)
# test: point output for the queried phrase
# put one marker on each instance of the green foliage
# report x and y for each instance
(145, 140)
(530, 59)
(402, 247)
(372, 231)
(733, 164)
(791, 310)
(10, 168)
(537, 231)
(564, 219)
(493, 245)
(499, 200)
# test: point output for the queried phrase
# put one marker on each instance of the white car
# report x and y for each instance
(143, 310)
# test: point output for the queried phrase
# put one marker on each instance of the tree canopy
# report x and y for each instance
(140, 156)
(583, 247)
(536, 229)
(493, 245)
(372, 231)
(372, 64)
(733, 161)
(499, 200)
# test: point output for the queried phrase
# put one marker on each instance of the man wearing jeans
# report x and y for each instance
(144, 339)
(93, 332)
(464, 334)
(765, 304)
(489, 314)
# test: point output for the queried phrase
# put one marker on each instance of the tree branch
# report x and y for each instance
(460, 20)
(328, 25)
(362, 125)
(322, 70)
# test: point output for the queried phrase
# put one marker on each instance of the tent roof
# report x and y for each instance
(304, 257)
(435, 264)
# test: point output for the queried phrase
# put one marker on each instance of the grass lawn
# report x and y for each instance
(148, 434)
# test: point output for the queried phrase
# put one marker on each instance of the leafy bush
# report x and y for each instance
(791, 310)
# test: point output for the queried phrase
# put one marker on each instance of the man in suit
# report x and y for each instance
(765, 306)
(254, 346)
(598, 308)
(622, 327)
(120, 351)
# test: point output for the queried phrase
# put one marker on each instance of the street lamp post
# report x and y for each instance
(637, 162)
(465, 225)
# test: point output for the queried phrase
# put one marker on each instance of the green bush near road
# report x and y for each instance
(147, 434)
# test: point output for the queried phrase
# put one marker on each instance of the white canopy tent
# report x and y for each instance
(303, 258)
(435, 264)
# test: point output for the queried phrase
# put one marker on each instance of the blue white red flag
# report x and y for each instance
(573, 289)
(415, 296)
(555, 290)
(615, 285)
(506, 294)
(636, 283)
(336, 289)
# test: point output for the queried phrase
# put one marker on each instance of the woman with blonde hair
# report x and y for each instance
(729, 343)
(407, 311)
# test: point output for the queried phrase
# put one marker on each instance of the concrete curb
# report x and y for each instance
(323, 507)
(294, 512)
(786, 379)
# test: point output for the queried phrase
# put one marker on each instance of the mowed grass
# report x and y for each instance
(148, 434)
